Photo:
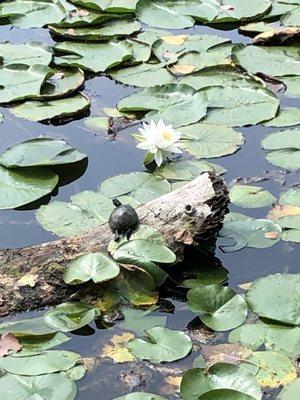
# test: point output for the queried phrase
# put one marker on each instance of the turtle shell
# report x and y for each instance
(122, 218)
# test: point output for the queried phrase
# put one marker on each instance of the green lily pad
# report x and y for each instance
(174, 103)
(166, 48)
(254, 28)
(42, 342)
(293, 85)
(292, 18)
(31, 53)
(161, 345)
(32, 14)
(288, 116)
(245, 231)
(232, 381)
(276, 297)
(35, 363)
(62, 82)
(284, 148)
(145, 254)
(70, 316)
(250, 196)
(140, 396)
(144, 75)
(219, 307)
(141, 186)
(45, 110)
(23, 186)
(112, 6)
(108, 30)
(95, 57)
(20, 81)
(40, 152)
(290, 391)
(271, 60)
(27, 327)
(195, 61)
(187, 170)
(97, 124)
(93, 266)
(209, 141)
(291, 197)
(50, 386)
(139, 320)
(208, 274)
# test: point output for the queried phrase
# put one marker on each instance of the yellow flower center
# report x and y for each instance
(167, 135)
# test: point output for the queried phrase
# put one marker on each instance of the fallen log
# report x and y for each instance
(31, 277)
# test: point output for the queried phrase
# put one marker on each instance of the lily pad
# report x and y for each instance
(108, 30)
(174, 103)
(232, 381)
(95, 57)
(219, 307)
(20, 81)
(292, 18)
(42, 342)
(93, 266)
(291, 197)
(250, 196)
(109, 6)
(45, 110)
(27, 327)
(284, 148)
(144, 75)
(36, 363)
(31, 53)
(290, 391)
(40, 152)
(32, 14)
(187, 170)
(50, 386)
(209, 141)
(293, 86)
(70, 316)
(162, 345)
(23, 186)
(271, 60)
(141, 186)
(139, 320)
(276, 297)
(288, 116)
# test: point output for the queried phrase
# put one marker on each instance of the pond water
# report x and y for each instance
(108, 157)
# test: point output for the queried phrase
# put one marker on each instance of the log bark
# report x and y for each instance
(31, 277)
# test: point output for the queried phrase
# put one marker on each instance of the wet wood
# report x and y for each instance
(31, 277)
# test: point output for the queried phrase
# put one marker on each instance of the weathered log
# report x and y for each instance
(31, 277)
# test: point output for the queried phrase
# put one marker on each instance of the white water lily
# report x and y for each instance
(160, 139)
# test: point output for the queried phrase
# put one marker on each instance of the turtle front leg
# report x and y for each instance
(128, 233)
(117, 236)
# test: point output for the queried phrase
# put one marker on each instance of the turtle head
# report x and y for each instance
(116, 202)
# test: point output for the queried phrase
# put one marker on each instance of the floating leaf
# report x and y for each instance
(34, 13)
(162, 345)
(276, 297)
(109, 6)
(291, 197)
(275, 370)
(31, 53)
(40, 152)
(70, 316)
(293, 86)
(285, 148)
(187, 170)
(144, 75)
(46, 387)
(76, 373)
(23, 186)
(292, 18)
(271, 60)
(250, 196)
(209, 141)
(42, 342)
(108, 30)
(254, 28)
(139, 320)
(288, 116)
(39, 363)
(45, 110)
(95, 57)
(234, 380)
(246, 231)
(20, 81)
(206, 274)
(290, 391)
(27, 327)
(141, 186)
(93, 266)
(145, 254)
(219, 307)
(174, 103)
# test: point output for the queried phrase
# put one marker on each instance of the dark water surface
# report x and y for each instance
(107, 158)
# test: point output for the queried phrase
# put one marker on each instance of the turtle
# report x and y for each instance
(123, 220)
